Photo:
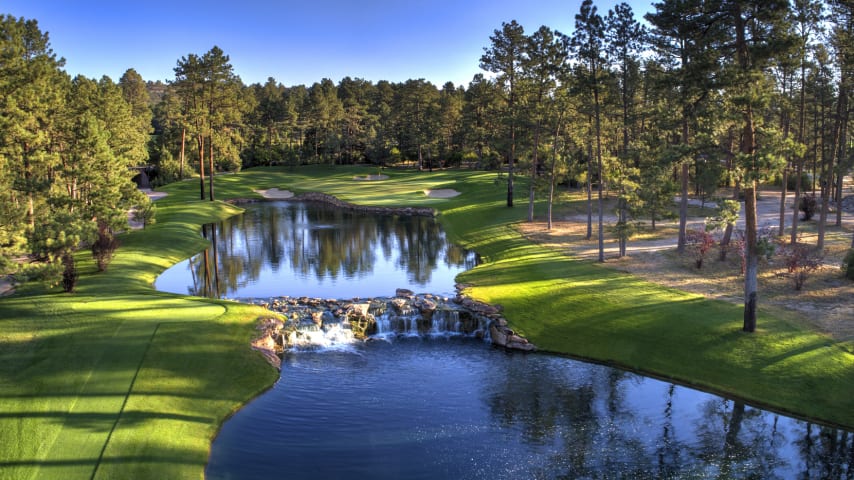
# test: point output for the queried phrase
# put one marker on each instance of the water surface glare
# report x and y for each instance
(454, 408)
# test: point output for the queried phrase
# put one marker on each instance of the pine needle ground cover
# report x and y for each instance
(120, 381)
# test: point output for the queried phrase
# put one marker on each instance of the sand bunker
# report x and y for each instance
(371, 177)
(275, 194)
(441, 193)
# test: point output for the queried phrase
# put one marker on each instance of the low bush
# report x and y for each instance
(700, 242)
(801, 260)
(808, 205)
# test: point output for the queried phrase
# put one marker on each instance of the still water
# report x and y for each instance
(452, 407)
(305, 249)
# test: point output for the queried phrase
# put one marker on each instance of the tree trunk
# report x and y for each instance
(683, 209)
(683, 203)
(599, 165)
(510, 163)
(589, 190)
(531, 193)
(799, 171)
(183, 144)
(799, 168)
(842, 159)
(201, 142)
(827, 167)
(724, 245)
(784, 121)
(783, 193)
(751, 259)
(211, 163)
(553, 170)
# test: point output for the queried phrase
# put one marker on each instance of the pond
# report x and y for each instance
(455, 408)
(446, 405)
(314, 250)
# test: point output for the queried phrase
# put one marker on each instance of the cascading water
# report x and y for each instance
(336, 324)
(443, 322)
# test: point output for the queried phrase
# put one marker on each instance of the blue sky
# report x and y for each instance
(296, 42)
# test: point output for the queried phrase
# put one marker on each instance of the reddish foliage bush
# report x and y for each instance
(800, 260)
(700, 242)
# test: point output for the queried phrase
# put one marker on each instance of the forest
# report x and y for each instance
(701, 94)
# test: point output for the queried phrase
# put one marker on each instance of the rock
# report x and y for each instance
(427, 306)
(361, 309)
(399, 305)
(524, 347)
(404, 313)
(497, 335)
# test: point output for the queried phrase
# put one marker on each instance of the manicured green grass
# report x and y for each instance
(121, 381)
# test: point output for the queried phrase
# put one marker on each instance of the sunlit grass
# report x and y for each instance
(121, 381)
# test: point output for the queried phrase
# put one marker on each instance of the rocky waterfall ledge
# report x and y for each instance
(315, 322)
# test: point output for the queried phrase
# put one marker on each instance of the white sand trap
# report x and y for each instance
(275, 194)
(371, 178)
(441, 193)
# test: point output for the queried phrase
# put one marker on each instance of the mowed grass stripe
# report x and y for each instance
(124, 401)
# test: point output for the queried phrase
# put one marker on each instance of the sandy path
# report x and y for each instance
(6, 286)
(767, 211)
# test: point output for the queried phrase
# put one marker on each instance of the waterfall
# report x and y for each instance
(338, 324)
(314, 323)
(412, 323)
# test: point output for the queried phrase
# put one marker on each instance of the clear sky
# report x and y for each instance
(293, 41)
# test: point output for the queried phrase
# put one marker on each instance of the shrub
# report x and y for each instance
(791, 182)
(69, 272)
(700, 242)
(103, 247)
(808, 205)
(800, 260)
(848, 265)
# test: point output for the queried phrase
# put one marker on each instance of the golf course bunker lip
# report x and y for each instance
(441, 193)
(370, 178)
(275, 194)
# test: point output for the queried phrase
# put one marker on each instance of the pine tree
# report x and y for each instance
(588, 42)
(505, 58)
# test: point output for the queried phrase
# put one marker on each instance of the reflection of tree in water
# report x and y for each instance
(421, 241)
(586, 415)
(827, 452)
(667, 449)
(735, 441)
(319, 242)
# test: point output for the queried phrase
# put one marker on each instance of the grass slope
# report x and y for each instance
(121, 381)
